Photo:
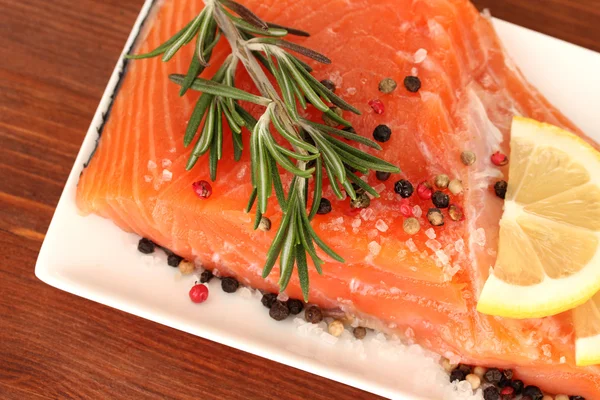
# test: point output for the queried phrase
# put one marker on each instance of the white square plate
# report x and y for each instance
(92, 258)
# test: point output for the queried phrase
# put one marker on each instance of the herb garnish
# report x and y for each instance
(312, 145)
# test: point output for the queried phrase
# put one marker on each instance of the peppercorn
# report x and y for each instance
(198, 293)
(534, 392)
(474, 381)
(411, 225)
(440, 199)
(456, 213)
(457, 375)
(435, 217)
(441, 181)
(412, 84)
(561, 397)
(424, 190)
(146, 246)
(362, 201)
(507, 393)
(500, 189)
(173, 260)
(382, 133)
(229, 285)
(387, 85)
(377, 106)
(264, 224)
(382, 176)
(328, 84)
(447, 365)
(359, 332)
(279, 311)
(349, 129)
(324, 206)
(206, 276)
(330, 121)
(465, 368)
(336, 328)
(202, 189)
(508, 374)
(491, 393)
(313, 314)
(468, 157)
(296, 306)
(479, 371)
(404, 188)
(518, 385)
(268, 299)
(186, 267)
(455, 186)
(499, 159)
(493, 375)
(576, 398)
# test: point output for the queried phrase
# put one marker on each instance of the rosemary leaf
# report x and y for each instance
(277, 185)
(192, 127)
(249, 120)
(248, 27)
(293, 139)
(362, 158)
(162, 48)
(251, 201)
(219, 138)
(270, 144)
(203, 143)
(286, 259)
(233, 125)
(237, 146)
(213, 160)
(337, 118)
(257, 218)
(331, 157)
(204, 34)
(219, 89)
(291, 31)
(307, 241)
(263, 178)
(318, 240)
(297, 156)
(318, 189)
(294, 47)
(245, 13)
(302, 268)
(362, 184)
(349, 189)
(185, 37)
(333, 182)
(344, 134)
(314, 99)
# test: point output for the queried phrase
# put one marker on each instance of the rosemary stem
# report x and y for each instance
(241, 50)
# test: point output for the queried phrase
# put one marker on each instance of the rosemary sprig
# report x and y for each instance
(309, 147)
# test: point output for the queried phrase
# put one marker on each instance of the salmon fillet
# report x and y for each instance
(424, 286)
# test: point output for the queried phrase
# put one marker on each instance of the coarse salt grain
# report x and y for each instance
(147, 178)
(442, 256)
(417, 211)
(433, 244)
(563, 359)
(411, 245)
(242, 172)
(151, 164)
(367, 214)
(245, 292)
(166, 163)
(374, 248)
(414, 71)
(351, 91)
(479, 237)
(373, 233)
(356, 223)
(459, 245)
(430, 233)
(420, 56)
(381, 225)
(167, 175)
(379, 188)
(283, 296)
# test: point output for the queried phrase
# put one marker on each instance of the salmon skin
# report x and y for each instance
(423, 286)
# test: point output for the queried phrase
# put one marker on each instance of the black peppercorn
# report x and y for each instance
(404, 188)
(279, 311)
(313, 314)
(328, 84)
(465, 368)
(493, 375)
(534, 392)
(491, 393)
(382, 133)
(440, 199)
(349, 129)
(229, 285)
(359, 332)
(576, 398)
(382, 176)
(268, 299)
(206, 276)
(362, 200)
(458, 375)
(324, 206)
(500, 189)
(146, 246)
(295, 306)
(173, 260)
(508, 374)
(412, 84)
(518, 386)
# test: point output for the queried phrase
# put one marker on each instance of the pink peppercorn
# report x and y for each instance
(405, 208)
(199, 293)
(377, 106)
(499, 159)
(424, 191)
(507, 391)
(202, 189)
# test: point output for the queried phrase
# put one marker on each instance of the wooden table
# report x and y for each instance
(55, 60)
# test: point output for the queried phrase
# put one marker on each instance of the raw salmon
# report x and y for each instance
(423, 286)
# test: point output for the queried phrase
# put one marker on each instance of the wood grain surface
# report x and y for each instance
(55, 60)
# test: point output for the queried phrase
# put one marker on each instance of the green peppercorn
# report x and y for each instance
(362, 201)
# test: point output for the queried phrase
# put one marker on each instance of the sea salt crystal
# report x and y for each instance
(479, 237)
(373, 233)
(166, 163)
(443, 257)
(147, 178)
(151, 165)
(167, 175)
(283, 296)
(563, 359)
(351, 91)
(433, 244)
(430, 233)
(329, 339)
(379, 188)
(356, 223)
(417, 211)
(374, 248)
(381, 225)
(367, 214)
(245, 293)
(420, 56)
(242, 172)
(459, 245)
(414, 71)
(411, 245)
(547, 350)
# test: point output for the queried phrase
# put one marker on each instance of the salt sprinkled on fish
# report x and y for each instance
(167, 175)
(420, 56)
(151, 165)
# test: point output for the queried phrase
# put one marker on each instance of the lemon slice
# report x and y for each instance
(548, 252)
(587, 332)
